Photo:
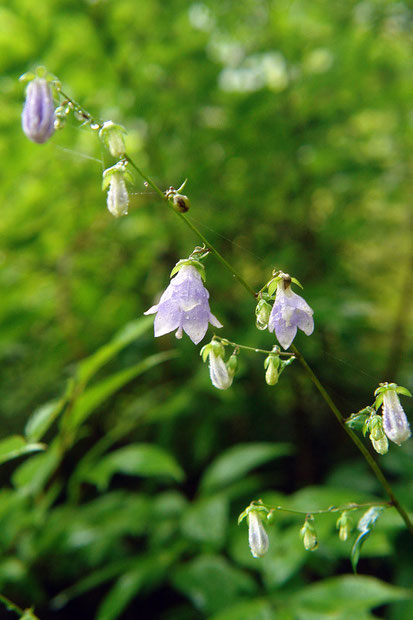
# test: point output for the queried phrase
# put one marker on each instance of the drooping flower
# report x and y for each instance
(118, 197)
(395, 423)
(218, 371)
(309, 535)
(184, 306)
(257, 536)
(38, 112)
(289, 312)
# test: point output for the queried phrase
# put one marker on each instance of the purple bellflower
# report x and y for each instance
(38, 113)
(395, 423)
(184, 306)
(289, 312)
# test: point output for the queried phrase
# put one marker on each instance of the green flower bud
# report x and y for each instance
(380, 445)
(232, 364)
(309, 536)
(112, 136)
(180, 203)
(262, 313)
(272, 365)
(344, 525)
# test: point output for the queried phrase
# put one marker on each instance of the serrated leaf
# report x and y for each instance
(14, 446)
(237, 461)
(365, 526)
(135, 460)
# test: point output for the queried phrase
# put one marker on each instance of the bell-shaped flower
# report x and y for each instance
(289, 312)
(395, 423)
(257, 536)
(184, 306)
(38, 112)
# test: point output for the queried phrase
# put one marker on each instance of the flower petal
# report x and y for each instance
(167, 319)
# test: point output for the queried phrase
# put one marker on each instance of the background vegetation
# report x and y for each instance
(292, 120)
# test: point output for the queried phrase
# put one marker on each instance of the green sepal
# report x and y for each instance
(179, 190)
(27, 77)
(379, 401)
(272, 285)
(205, 351)
(366, 427)
(357, 420)
(403, 390)
(189, 261)
(119, 168)
(250, 508)
(295, 281)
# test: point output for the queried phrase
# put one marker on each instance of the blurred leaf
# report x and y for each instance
(130, 332)
(349, 593)
(237, 461)
(365, 526)
(212, 583)
(97, 394)
(41, 419)
(258, 609)
(15, 446)
(32, 475)
(206, 520)
(135, 460)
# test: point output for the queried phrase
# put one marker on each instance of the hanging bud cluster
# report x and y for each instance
(274, 365)
(288, 312)
(222, 373)
(118, 197)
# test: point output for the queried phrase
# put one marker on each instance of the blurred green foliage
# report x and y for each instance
(292, 121)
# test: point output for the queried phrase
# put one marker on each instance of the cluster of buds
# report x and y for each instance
(391, 424)
(288, 312)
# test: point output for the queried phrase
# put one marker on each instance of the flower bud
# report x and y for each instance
(181, 203)
(112, 136)
(395, 423)
(38, 112)
(118, 198)
(380, 445)
(232, 364)
(262, 313)
(272, 364)
(257, 536)
(309, 536)
(218, 371)
(344, 525)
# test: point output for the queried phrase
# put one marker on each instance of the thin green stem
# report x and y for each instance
(18, 610)
(254, 349)
(345, 507)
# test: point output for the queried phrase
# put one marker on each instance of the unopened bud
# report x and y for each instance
(118, 198)
(181, 203)
(262, 313)
(309, 536)
(380, 445)
(112, 136)
(38, 113)
(257, 536)
(272, 364)
(232, 364)
(344, 525)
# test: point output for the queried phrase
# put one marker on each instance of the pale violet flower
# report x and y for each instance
(257, 536)
(38, 113)
(289, 312)
(395, 423)
(184, 306)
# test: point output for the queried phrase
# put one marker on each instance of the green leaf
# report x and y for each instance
(403, 390)
(258, 609)
(212, 583)
(121, 594)
(98, 393)
(349, 593)
(87, 368)
(135, 460)
(33, 474)
(234, 463)
(206, 520)
(14, 446)
(42, 418)
(365, 526)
